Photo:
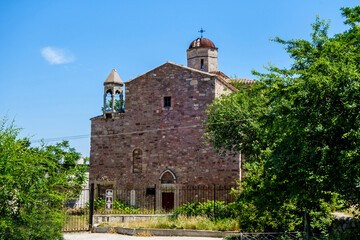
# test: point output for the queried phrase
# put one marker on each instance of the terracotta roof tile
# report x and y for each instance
(243, 80)
(201, 42)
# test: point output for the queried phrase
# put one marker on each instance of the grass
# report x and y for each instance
(181, 222)
(144, 234)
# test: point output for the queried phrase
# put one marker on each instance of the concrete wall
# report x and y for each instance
(166, 232)
(104, 218)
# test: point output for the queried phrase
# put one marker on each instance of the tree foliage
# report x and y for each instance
(34, 183)
(299, 127)
(119, 105)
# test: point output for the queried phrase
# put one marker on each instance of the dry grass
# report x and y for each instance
(182, 222)
(76, 223)
(144, 234)
(112, 230)
(134, 224)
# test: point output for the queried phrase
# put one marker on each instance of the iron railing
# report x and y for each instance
(77, 211)
(160, 199)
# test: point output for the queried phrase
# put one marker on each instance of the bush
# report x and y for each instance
(286, 218)
(207, 208)
(118, 206)
(34, 184)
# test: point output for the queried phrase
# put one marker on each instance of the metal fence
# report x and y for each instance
(81, 204)
(77, 211)
(160, 199)
(270, 236)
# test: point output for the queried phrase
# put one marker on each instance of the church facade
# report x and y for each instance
(155, 138)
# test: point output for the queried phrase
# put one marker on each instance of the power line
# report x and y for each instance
(130, 133)
(60, 138)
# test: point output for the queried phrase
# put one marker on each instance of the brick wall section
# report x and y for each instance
(169, 138)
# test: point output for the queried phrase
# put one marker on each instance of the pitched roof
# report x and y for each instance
(220, 76)
(113, 78)
(175, 64)
(243, 80)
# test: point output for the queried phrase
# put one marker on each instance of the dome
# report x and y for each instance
(202, 42)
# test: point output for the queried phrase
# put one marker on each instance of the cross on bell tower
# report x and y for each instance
(202, 54)
(201, 31)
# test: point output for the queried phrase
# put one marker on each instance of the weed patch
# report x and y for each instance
(182, 222)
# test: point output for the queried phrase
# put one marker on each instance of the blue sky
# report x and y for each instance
(55, 55)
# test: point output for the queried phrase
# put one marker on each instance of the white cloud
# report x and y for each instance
(57, 55)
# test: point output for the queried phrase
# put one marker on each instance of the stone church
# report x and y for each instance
(154, 139)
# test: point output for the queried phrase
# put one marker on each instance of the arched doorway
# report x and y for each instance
(167, 179)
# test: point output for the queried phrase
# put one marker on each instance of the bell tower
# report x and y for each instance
(113, 95)
(202, 55)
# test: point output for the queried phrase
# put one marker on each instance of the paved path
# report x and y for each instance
(109, 236)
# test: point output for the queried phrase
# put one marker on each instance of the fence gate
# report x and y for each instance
(77, 211)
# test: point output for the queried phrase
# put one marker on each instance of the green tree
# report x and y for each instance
(34, 183)
(118, 106)
(299, 127)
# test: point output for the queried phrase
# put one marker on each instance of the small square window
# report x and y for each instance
(167, 102)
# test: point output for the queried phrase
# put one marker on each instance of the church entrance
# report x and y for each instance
(167, 190)
(168, 201)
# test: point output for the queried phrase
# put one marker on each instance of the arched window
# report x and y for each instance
(137, 160)
(119, 102)
(108, 101)
(167, 178)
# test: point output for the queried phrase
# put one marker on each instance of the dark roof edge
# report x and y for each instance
(96, 117)
(175, 64)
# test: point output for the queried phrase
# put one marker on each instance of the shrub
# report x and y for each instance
(207, 209)
(34, 184)
(118, 206)
(287, 217)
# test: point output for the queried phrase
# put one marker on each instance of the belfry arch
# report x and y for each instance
(108, 100)
(113, 95)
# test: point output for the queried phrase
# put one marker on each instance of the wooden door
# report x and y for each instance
(167, 201)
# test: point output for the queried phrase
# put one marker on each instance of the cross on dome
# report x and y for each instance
(201, 31)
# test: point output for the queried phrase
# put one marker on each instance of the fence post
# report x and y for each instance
(307, 225)
(155, 200)
(91, 210)
(214, 202)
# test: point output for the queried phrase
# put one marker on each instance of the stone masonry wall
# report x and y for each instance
(169, 138)
(209, 55)
(221, 89)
